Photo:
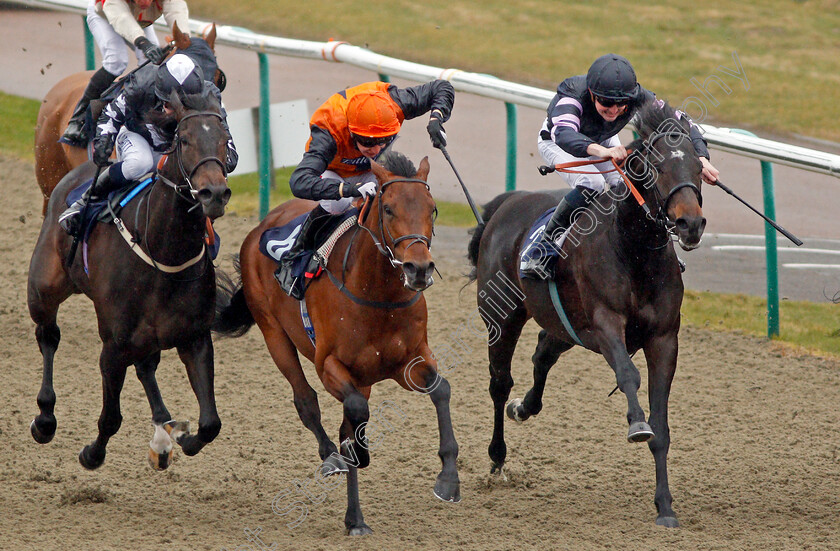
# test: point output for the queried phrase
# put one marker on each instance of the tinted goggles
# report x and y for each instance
(608, 102)
(371, 142)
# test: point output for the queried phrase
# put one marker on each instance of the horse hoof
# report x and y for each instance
(42, 435)
(333, 465)
(448, 491)
(639, 432)
(362, 530)
(512, 410)
(177, 430)
(669, 522)
(498, 469)
(90, 463)
(160, 461)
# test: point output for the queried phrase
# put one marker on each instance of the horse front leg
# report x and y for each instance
(160, 447)
(354, 443)
(198, 358)
(112, 365)
(545, 356)
(661, 354)
(44, 425)
(614, 349)
(421, 375)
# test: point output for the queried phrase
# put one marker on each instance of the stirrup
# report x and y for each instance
(69, 220)
(75, 134)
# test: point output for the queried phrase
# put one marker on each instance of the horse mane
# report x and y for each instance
(652, 115)
(397, 163)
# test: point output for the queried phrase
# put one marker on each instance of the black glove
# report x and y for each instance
(152, 52)
(436, 132)
(102, 148)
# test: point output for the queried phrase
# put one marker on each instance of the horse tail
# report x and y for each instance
(233, 318)
(488, 210)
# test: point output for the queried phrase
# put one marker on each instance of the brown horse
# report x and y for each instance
(153, 289)
(369, 317)
(616, 289)
(54, 159)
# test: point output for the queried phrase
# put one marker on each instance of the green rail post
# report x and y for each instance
(90, 56)
(265, 137)
(510, 167)
(384, 78)
(771, 249)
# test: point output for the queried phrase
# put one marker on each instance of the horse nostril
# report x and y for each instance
(226, 196)
(410, 269)
(204, 195)
(681, 224)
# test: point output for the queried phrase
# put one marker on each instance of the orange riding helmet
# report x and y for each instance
(371, 114)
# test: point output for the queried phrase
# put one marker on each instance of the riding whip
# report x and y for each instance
(478, 217)
(79, 232)
(796, 241)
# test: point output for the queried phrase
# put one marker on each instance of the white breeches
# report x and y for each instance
(112, 45)
(137, 156)
(337, 206)
(553, 154)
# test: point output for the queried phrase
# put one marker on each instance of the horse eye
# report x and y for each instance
(388, 210)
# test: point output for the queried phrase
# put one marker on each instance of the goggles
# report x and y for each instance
(609, 102)
(371, 142)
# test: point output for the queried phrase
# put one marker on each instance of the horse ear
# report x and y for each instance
(209, 36)
(182, 40)
(423, 172)
(176, 105)
(379, 171)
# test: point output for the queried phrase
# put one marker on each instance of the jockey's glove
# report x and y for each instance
(366, 189)
(435, 128)
(152, 52)
(102, 148)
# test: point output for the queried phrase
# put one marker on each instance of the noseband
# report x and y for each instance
(188, 190)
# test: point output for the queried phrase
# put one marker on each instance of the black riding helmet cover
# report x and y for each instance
(179, 73)
(611, 76)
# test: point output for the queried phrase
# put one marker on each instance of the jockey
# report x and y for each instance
(348, 131)
(112, 23)
(140, 143)
(584, 119)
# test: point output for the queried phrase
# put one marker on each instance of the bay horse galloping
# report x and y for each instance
(616, 289)
(150, 279)
(369, 318)
(54, 159)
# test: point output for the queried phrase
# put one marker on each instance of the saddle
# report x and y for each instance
(296, 273)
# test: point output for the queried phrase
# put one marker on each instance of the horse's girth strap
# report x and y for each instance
(558, 307)
(134, 246)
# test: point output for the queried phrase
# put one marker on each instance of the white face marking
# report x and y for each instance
(207, 129)
(677, 154)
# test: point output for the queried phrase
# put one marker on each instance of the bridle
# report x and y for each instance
(187, 190)
(661, 216)
(385, 233)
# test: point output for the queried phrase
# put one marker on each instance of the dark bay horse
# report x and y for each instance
(152, 290)
(618, 285)
(54, 159)
(370, 329)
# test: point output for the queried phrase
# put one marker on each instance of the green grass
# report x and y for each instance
(811, 326)
(17, 126)
(787, 48)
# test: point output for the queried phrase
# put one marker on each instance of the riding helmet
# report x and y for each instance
(179, 73)
(611, 76)
(372, 114)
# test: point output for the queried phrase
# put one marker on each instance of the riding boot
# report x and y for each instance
(75, 133)
(539, 264)
(303, 243)
(70, 219)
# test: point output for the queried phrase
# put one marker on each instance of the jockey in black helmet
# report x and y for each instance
(583, 122)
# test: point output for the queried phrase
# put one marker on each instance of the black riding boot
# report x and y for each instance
(539, 265)
(70, 219)
(303, 242)
(75, 133)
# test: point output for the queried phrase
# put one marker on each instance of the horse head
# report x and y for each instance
(200, 149)
(664, 161)
(406, 216)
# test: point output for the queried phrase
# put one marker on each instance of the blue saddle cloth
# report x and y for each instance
(95, 208)
(533, 250)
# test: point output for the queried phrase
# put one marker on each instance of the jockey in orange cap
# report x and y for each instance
(349, 130)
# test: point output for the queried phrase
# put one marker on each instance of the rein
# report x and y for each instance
(384, 249)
